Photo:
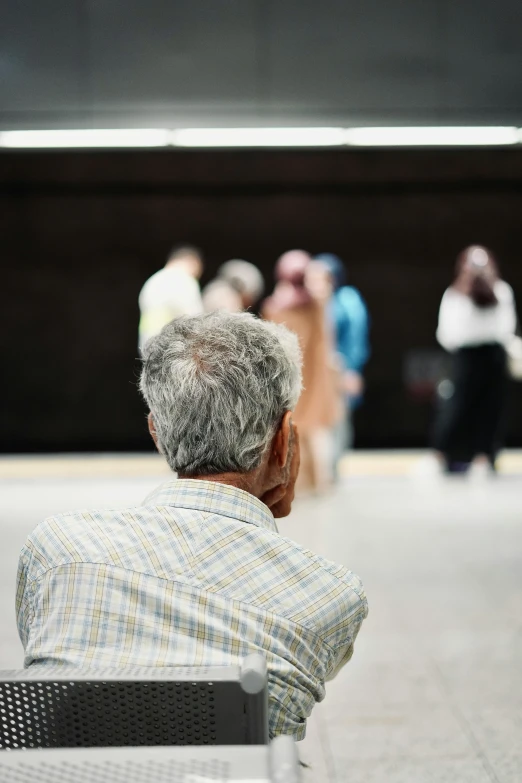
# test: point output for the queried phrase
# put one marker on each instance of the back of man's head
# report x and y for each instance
(217, 386)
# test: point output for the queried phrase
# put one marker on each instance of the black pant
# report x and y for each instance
(469, 423)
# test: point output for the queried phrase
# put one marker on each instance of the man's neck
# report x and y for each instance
(248, 482)
(255, 482)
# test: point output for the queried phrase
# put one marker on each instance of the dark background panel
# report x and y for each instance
(356, 57)
(164, 54)
(81, 232)
(484, 59)
(119, 63)
(42, 59)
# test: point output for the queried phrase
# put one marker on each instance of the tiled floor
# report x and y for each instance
(434, 690)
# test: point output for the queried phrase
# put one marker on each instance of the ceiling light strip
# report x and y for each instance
(220, 138)
(82, 139)
(457, 136)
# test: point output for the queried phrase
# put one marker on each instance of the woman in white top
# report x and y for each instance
(477, 319)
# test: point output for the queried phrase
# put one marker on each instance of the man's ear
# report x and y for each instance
(152, 430)
(281, 441)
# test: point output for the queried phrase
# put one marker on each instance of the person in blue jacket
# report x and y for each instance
(350, 321)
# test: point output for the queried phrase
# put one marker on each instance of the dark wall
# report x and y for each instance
(81, 232)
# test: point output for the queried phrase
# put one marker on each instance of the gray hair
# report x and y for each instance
(217, 386)
(244, 277)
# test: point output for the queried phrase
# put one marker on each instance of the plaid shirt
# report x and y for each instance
(198, 575)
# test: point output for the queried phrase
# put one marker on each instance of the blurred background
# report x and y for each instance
(387, 133)
(81, 230)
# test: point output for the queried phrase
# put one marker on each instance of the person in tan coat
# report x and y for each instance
(299, 301)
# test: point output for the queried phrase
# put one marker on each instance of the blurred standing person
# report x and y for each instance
(219, 295)
(238, 286)
(299, 301)
(349, 316)
(477, 320)
(245, 278)
(171, 292)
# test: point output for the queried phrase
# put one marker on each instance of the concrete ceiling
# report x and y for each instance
(116, 63)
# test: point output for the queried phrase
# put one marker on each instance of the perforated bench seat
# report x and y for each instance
(276, 763)
(62, 707)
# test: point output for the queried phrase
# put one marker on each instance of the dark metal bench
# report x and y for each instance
(66, 708)
(276, 763)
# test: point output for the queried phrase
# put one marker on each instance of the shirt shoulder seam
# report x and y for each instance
(32, 585)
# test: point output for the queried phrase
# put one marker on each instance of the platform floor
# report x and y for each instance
(434, 690)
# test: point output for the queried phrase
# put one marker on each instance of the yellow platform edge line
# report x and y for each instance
(358, 463)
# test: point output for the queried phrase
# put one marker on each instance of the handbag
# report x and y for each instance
(514, 357)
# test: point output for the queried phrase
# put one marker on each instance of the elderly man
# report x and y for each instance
(198, 574)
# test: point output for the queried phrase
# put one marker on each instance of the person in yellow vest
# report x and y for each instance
(171, 292)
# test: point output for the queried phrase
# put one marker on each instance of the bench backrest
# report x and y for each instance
(64, 708)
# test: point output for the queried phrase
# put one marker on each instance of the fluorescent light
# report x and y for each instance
(432, 137)
(60, 139)
(258, 137)
(262, 137)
